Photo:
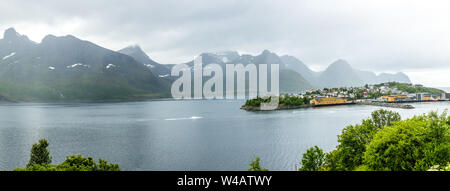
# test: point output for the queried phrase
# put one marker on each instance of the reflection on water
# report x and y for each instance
(177, 135)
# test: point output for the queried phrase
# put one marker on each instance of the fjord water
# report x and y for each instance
(177, 135)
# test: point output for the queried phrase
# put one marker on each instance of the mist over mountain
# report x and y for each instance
(398, 77)
(136, 52)
(298, 66)
(341, 74)
(290, 81)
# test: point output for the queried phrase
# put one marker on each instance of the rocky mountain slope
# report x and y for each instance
(69, 69)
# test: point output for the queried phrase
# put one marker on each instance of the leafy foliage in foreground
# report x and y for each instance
(353, 140)
(255, 166)
(74, 163)
(40, 161)
(414, 144)
(313, 159)
(39, 153)
(440, 168)
(385, 142)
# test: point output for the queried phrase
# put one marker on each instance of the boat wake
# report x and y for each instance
(184, 118)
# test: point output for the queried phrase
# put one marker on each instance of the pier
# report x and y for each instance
(386, 104)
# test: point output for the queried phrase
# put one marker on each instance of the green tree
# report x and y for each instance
(74, 163)
(80, 163)
(354, 138)
(414, 144)
(39, 153)
(255, 166)
(313, 159)
(381, 118)
(40, 160)
(352, 145)
(384, 142)
(440, 168)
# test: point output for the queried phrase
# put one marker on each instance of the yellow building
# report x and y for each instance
(328, 101)
(393, 98)
(430, 98)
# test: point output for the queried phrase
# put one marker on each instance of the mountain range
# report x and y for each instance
(66, 68)
(69, 69)
(341, 74)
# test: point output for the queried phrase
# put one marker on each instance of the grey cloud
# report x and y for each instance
(380, 36)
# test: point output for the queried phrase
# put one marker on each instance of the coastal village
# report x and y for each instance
(390, 94)
(380, 93)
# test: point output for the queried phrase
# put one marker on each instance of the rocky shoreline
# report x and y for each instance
(283, 107)
(3, 99)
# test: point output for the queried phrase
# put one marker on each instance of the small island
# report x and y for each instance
(390, 94)
(285, 102)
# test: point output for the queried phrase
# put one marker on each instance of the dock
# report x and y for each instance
(386, 104)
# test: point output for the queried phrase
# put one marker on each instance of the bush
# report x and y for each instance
(440, 168)
(384, 142)
(40, 154)
(74, 163)
(40, 160)
(313, 159)
(80, 163)
(354, 138)
(414, 144)
(255, 166)
(256, 102)
(283, 100)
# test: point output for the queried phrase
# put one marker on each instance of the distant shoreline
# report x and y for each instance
(87, 101)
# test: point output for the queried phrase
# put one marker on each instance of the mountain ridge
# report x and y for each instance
(139, 55)
(340, 74)
(66, 68)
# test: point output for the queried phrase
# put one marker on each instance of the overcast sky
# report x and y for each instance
(380, 35)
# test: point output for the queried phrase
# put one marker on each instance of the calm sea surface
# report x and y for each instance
(177, 135)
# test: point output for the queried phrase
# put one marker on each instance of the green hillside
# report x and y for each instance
(405, 87)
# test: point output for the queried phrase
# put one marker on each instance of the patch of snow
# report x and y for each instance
(110, 65)
(163, 76)
(225, 59)
(77, 64)
(51, 68)
(149, 65)
(7, 56)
